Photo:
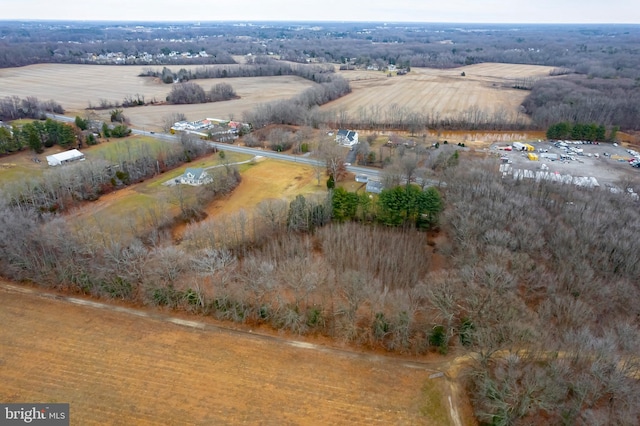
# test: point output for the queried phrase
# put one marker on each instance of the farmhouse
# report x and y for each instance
(194, 177)
(65, 157)
(347, 137)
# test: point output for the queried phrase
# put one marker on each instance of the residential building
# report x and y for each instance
(194, 177)
(347, 137)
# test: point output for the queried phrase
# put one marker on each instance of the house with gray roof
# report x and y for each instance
(347, 137)
(194, 177)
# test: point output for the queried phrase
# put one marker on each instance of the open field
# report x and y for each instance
(123, 368)
(439, 92)
(134, 209)
(268, 179)
(129, 210)
(74, 86)
(442, 93)
(21, 165)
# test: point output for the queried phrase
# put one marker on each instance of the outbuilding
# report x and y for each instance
(65, 157)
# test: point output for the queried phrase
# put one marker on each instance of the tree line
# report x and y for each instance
(581, 131)
(301, 109)
(191, 93)
(37, 136)
(268, 68)
(62, 188)
(14, 108)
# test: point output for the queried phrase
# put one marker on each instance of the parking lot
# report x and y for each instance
(607, 163)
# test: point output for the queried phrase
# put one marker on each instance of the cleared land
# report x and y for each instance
(74, 86)
(117, 368)
(268, 179)
(443, 93)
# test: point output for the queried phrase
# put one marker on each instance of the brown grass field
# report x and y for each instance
(131, 209)
(439, 92)
(434, 91)
(138, 367)
(74, 86)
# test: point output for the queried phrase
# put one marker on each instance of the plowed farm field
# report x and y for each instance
(75, 86)
(439, 93)
(117, 365)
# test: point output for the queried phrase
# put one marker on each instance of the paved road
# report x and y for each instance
(371, 173)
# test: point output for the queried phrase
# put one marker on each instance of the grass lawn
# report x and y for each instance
(130, 148)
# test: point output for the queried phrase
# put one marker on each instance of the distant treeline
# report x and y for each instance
(315, 73)
(596, 50)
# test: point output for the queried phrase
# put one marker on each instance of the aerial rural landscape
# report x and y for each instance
(325, 222)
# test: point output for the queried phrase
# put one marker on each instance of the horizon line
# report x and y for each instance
(320, 21)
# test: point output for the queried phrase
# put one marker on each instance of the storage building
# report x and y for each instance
(65, 157)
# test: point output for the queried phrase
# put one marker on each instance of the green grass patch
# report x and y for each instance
(432, 405)
(22, 121)
(11, 172)
(130, 148)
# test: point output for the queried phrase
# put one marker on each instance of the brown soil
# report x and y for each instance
(118, 368)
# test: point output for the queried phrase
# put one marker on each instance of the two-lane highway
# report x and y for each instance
(369, 172)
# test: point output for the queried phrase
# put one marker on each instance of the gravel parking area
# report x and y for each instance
(607, 163)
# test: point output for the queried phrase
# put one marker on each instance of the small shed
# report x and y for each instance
(65, 157)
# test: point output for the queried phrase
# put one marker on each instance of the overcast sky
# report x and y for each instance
(489, 11)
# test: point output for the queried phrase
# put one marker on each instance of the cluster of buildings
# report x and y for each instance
(207, 124)
(220, 130)
(142, 57)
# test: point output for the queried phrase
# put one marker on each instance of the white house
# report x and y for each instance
(194, 177)
(347, 137)
(65, 157)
